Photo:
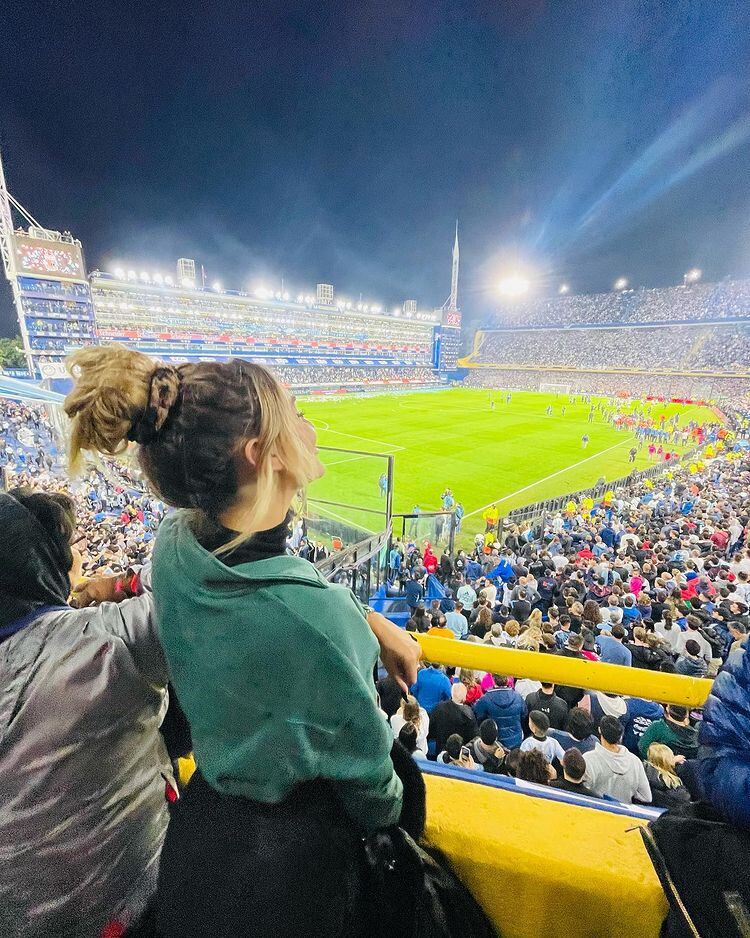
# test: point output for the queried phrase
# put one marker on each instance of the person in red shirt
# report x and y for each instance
(720, 539)
(429, 560)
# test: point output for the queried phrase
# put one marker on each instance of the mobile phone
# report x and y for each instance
(465, 752)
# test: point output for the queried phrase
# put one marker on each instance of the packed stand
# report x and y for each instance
(608, 382)
(333, 378)
(658, 580)
(702, 301)
(666, 348)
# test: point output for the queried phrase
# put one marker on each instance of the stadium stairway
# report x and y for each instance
(395, 607)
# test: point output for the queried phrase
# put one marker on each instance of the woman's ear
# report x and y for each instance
(250, 452)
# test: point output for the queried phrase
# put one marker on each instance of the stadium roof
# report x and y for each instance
(27, 391)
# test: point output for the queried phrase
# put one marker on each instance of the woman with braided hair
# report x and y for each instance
(268, 836)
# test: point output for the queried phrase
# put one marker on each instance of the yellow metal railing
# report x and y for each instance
(575, 672)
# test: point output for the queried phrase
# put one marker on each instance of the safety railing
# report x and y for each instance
(359, 566)
(572, 672)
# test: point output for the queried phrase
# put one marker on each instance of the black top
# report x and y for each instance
(578, 787)
(262, 545)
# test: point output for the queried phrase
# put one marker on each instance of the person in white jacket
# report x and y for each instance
(612, 770)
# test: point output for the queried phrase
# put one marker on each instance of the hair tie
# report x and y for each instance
(163, 393)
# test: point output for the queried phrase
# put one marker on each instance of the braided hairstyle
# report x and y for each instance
(191, 422)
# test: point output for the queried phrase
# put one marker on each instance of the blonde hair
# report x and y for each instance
(192, 422)
(530, 639)
(535, 618)
(662, 759)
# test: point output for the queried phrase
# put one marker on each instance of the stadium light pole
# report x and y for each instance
(692, 276)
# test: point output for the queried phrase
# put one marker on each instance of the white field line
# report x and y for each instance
(337, 462)
(365, 439)
(559, 472)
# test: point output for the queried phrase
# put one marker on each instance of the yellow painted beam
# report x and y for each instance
(537, 866)
(592, 675)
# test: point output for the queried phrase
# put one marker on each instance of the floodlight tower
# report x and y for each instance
(453, 300)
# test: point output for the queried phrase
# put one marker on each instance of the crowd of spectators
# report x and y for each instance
(609, 382)
(658, 580)
(702, 301)
(722, 348)
(332, 378)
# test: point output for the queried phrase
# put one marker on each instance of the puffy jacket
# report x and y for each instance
(83, 768)
(723, 770)
(505, 707)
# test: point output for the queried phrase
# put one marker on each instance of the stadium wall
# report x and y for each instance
(530, 861)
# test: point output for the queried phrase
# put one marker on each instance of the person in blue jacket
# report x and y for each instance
(432, 687)
(506, 707)
(414, 593)
(723, 767)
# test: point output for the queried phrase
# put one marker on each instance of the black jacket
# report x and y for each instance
(644, 657)
(551, 704)
(449, 717)
(704, 868)
(661, 795)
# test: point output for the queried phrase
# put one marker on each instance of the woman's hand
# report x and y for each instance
(102, 589)
(399, 652)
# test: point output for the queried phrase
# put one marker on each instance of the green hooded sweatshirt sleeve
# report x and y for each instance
(273, 667)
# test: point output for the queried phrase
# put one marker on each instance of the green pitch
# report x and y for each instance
(513, 454)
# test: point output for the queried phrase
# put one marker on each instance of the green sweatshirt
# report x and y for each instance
(273, 667)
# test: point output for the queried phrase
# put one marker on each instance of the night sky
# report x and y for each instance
(585, 139)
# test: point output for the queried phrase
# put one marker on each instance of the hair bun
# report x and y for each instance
(110, 392)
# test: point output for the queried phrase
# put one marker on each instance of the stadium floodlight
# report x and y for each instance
(396, 310)
(119, 273)
(157, 277)
(169, 281)
(564, 288)
(514, 285)
(144, 276)
(376, 309)
(620, 284)
(285, 297)
(365, 308)
(216, 285)
(300, 298)
(693, 275)
(132, 275)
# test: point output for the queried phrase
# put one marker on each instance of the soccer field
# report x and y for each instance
(513, 454)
